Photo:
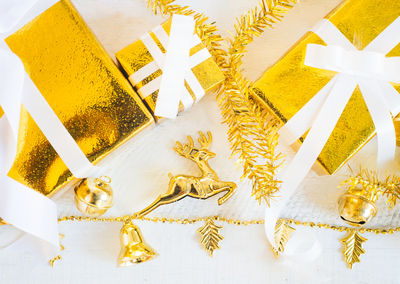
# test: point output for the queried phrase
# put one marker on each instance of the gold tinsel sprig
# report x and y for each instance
(252, 130)
(373, 187)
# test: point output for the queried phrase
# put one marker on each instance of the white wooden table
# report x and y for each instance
(140, 170)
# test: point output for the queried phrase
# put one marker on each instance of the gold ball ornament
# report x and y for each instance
(356, 207)
(94, 196)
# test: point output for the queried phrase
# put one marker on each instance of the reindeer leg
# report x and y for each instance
(171, 196)
(230, 187)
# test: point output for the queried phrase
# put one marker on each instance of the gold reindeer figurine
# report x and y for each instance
(205, 186)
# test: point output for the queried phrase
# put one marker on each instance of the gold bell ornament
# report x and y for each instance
(133, 248)
(94, 196)
(357, 206)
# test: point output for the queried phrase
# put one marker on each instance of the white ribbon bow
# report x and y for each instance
(21, 206)
(175, 64)
(372, 71)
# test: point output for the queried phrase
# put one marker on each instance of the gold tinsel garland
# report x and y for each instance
(352, 241)
(373, 187)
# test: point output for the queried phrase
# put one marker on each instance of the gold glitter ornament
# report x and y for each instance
(289, 84)
(357, 206)
(82, 85)
(135, 56)
(94, 196)
(133, 248)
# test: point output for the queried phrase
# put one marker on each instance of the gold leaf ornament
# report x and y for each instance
(353, 247)
(210, 236)
(282, 236)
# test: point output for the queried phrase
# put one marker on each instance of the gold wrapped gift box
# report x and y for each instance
(83, 86)
(288, 85)
(136, 56)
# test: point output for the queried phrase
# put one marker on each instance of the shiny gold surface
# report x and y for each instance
(353, 248)
(135, 56)
(133, 248)
(83, 86)
(202, 187)
(210, 236)
(396, 122)
(355, 208)
(94, 196)
(288, 85)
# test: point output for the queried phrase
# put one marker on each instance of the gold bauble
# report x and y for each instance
(2, 222)
(94, 196)
(133, 248)
(356, 209)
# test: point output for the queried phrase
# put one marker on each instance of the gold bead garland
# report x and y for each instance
(237, 222)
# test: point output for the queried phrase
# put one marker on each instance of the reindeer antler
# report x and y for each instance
(205, 141)
(185, 149)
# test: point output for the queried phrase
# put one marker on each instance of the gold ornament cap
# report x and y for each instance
(356, 210)
(94, 196)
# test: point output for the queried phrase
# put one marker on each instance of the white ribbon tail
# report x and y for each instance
(21, 206)
(12, 11)
(383, 121)
(391, 96)
(387, 39)
(331, 35)
(11, 82)
(55, 132)
(29, 211)
(176, 63)
(296, 126)
(298, 168)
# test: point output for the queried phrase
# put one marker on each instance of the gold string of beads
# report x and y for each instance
(237, 222)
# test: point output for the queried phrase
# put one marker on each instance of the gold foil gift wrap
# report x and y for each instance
(288, 85)
(136, 56)
(82, 85)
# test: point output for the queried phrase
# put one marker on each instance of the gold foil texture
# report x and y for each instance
(135, 56)
(82, 85)
(288, 85)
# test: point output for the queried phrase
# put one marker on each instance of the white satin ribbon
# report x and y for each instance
(372, 71)
(176, 67)
(21, 206)
(12, 11)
